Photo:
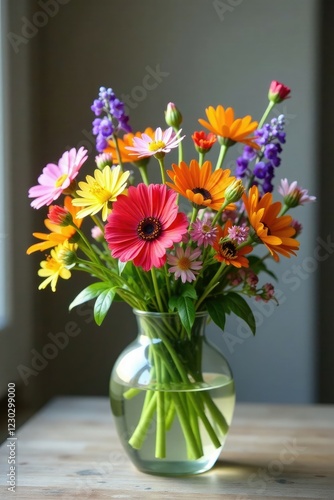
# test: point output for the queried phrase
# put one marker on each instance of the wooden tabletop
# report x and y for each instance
(69, 450)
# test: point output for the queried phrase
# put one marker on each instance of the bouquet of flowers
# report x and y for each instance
(145, 250)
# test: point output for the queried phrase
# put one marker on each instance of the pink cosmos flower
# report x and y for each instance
(162, 143)
(293, 194)
(184, 263)
(203, 233)
(57, 178)
(238, 233)
(143, 224)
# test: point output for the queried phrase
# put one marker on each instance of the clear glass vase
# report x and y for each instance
(172, 396)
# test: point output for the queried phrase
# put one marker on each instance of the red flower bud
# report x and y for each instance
(60, 215)
(203, 142)
(278, 92)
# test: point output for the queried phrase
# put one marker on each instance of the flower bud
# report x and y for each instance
(97, 234)
(278, 92)
(103, 160)
(203, 142)
(68, 256)
(60, 215)
(173, 116)
(234, 191)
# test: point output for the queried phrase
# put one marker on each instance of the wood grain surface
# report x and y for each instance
(70, 450)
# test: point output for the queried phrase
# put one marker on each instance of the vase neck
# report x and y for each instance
(165, 326)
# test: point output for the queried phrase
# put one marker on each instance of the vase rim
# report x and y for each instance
(139, 312)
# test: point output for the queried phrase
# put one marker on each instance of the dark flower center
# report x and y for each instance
(204, 192)
(228, 250)
(149, 228)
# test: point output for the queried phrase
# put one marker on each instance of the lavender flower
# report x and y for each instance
(115, 118)
(269, 137)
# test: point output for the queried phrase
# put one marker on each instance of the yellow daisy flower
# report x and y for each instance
(99, 191)
(54, 267)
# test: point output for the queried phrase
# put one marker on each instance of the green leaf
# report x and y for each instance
(102, 305)
(188, 290)
(186, 310)
(257, 265)
(89, 293)
(216, 311)
(172, 303)
(121, 266)
(233, 302)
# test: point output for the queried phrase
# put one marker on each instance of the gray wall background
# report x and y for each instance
(211, 53)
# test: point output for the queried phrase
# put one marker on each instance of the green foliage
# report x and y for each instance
(104, 295)
(228, 303)
(258, 265)
(184, 304)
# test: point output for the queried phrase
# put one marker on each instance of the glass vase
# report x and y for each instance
(172, 396)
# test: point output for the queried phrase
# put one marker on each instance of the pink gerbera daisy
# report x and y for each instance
(161, 143)
(184, 263)
(143, 224)
(56, 178)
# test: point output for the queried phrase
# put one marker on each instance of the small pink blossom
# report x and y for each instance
(267, 293)
(293, 194)
(97, 233)
(184, 264)
(238, 233)
(298, 227)
(203, 233)
(162, 143)
(55, 179)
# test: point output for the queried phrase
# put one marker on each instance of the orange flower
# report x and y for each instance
(202, 187)
(126, 155)
(274, 231)
(222, 123)
(227, 249)
(203, 142)
(59, 234)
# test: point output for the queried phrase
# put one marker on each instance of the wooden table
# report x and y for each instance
(69, 450)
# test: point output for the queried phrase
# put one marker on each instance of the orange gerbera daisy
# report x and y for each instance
(59, 234)
(202, 187)
(274, 231)
(222, 123)
(123, 143)
(227, 249)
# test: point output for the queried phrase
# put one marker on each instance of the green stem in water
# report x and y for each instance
(138, 437)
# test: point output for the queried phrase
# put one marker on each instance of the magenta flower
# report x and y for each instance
(203, 233)
(143, 224)
(162, 143)
(55, 179)
(278, 92)
(293, 194)
(184, 263)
